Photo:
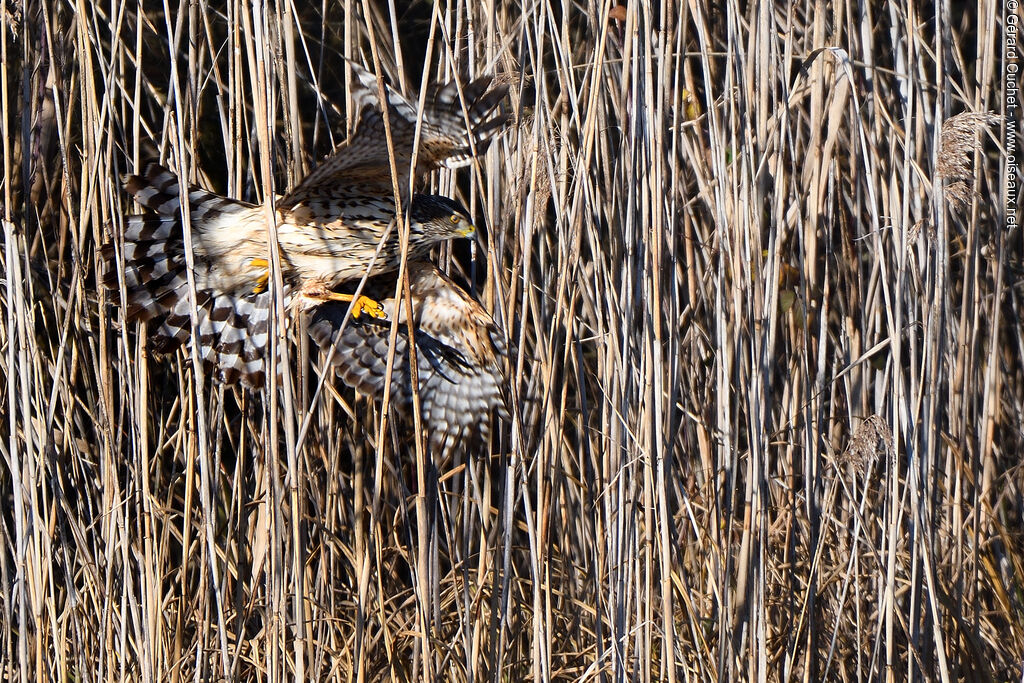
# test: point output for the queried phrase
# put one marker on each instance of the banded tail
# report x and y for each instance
(233, 329)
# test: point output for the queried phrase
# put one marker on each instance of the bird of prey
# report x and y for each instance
(329, 227)
(460, 355)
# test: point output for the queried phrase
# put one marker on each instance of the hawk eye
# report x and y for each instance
(454, 219)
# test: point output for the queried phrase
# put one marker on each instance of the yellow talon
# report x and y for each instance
(360, 305)
(262, 280)
(261, 284)
(365, 304)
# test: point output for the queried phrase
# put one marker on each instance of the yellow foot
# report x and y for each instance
(360, 304)
(262, 280)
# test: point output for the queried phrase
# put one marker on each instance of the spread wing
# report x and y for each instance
(449, 137)
(460, 354)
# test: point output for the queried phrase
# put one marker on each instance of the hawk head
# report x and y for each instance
(436, 218)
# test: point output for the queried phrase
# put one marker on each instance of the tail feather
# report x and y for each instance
(155, 281)
(158, 189)
(231, 343)
(156, 297)
(149, 228)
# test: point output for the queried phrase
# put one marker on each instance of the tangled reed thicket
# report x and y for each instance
(768, 383)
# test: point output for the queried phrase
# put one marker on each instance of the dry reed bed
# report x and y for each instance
(768, 389)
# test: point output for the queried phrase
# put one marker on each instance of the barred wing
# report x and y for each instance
(460, 356)
(362, 161)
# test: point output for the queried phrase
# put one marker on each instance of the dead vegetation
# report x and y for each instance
(763, 428)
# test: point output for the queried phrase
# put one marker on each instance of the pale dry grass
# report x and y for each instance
(763, 430)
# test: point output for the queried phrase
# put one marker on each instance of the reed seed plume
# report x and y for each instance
(870, 440)
(962, 136)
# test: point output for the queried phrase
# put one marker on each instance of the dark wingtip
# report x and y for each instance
(131, 183)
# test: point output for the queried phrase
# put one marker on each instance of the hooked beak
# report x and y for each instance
(467, 231)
